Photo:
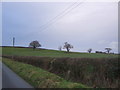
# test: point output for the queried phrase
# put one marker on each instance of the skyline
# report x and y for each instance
(89, 25)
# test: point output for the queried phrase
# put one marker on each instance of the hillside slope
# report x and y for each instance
(51, 53)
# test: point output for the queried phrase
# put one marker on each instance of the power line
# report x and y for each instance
(62, 14)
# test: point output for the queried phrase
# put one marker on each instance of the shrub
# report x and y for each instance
(92, 72)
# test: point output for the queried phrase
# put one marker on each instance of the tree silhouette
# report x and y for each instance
(34, 44)
(67, 46)
(90, 50)
(60, 48)
(108, 49)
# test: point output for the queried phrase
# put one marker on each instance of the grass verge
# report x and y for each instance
(101, 72)
(39, 78)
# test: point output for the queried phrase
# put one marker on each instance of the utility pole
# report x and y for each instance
(13, 41)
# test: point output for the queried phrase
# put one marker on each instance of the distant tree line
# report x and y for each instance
(67, 46)
(107, 51)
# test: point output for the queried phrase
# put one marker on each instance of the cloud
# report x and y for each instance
(103, 42)
(90, 25)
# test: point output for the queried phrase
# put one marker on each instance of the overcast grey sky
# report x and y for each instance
(84, 25)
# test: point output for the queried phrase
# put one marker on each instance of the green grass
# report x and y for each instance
(39, 78)
(51, 53)
(0, 50)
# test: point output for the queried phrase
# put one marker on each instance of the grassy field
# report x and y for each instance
(39, 78)
(51, 53)
(95, 69)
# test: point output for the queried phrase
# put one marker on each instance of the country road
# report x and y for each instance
(12, 80)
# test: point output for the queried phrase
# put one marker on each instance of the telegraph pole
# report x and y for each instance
(13, 41)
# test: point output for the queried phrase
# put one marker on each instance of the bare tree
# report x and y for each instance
(90, 50)
(67, 46)
(60, 48)
(34, 44)
(108, 49)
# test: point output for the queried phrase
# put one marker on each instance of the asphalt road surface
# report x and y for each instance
(12, 80)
